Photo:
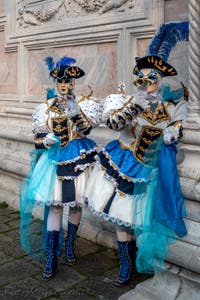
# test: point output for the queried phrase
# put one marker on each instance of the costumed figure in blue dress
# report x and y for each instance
(136, 179)
(60, 167)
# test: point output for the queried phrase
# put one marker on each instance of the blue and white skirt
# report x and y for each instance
(60, 174)
(110, 188)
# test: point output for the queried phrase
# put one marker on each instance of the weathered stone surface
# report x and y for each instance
(91, 278)
(176, 12)
(155, 288)
(65, 278)
(186, 255)
(16, 270)
(10, 246)
(85, 247)
(193, 210)
(169, 285)
(4, 227)
(4, 258)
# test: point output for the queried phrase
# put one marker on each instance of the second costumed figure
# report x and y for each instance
(136, 179)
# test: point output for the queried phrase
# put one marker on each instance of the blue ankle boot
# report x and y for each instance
(127, 256)
(70, 256)
(51, 261)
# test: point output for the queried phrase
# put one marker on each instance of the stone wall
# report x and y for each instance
(176, 10)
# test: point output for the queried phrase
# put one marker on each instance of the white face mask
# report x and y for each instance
(150, 79)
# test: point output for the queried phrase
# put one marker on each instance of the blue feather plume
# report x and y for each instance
(50, 62)
(167, 37)
(65, 61)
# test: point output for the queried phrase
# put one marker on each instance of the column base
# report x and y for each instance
(174, 284)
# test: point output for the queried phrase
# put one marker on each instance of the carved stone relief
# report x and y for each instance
(29, 15)
(35, 13)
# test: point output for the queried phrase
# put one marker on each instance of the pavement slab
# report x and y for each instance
(91, 278)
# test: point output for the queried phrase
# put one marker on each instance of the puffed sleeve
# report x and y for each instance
(119, 110)
(174, 129)
(92, 109)
(39, 126)
(89, 115)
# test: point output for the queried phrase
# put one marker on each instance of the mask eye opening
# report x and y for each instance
(64, 79)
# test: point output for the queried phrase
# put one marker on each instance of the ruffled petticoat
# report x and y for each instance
(111, 186)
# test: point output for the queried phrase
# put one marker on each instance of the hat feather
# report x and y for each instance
(50, 62)
(167, 37)
(65, 61)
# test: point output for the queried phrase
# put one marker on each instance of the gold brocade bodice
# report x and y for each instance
(60, 124)
(146, 142)
(145, 145)
(155, 114)
(145, 133)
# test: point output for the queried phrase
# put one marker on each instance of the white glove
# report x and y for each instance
(171, 134)
(50, 140)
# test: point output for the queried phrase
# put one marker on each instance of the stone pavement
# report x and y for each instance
(91, 278)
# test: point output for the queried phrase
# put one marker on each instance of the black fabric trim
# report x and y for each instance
(76, 117)
(125, 186)
(68, 191)
(70, 169)
(40, 135)
(109, 203)
(40, 146)
(87, 131)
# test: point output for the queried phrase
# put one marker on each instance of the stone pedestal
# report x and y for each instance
(175, 283)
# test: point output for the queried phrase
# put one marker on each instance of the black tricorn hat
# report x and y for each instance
(154, 62)
(64, 68)
(67, 72)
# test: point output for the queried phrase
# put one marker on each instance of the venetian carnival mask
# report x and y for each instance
(65, 86)
(149, 79)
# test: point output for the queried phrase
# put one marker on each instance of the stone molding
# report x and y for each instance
(140, 12)
(35, 13)
(119, 22)
(2, 23)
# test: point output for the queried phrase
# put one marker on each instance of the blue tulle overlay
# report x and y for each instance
(75, 149)
(164, 212)
(126, 162)
(32, 228)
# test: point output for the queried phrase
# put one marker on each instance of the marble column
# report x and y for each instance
(181, 280)
(194, 61)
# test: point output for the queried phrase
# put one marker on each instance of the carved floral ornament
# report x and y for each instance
(34, 13)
